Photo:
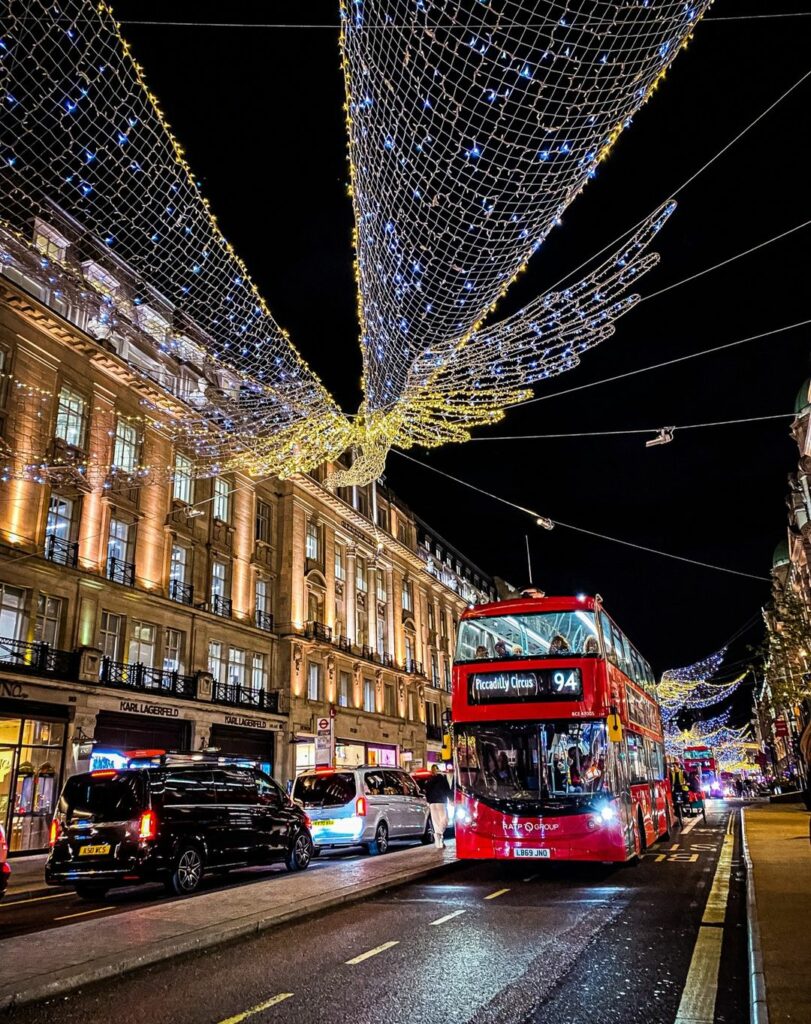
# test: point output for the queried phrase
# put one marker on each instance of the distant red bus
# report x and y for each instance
(557, 737)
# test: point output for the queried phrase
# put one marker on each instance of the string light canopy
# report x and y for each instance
(472, 125)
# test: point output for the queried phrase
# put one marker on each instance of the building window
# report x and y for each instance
(173, 650)
(259, 674)
(361, 626)
(112, 627)
(12, 612)
(182, 479)
(120, 541)
(315, 681)
(125, 449)
(219, 584)
(382, 517)
(49, 242)
(215, 662)
(263, 522)
(368, 695)
(60, 518)
(142, 644)
(361, 578)
(236, 666)
(381, 635)
(389, 700)
(262, 598)
(431, 713)
(71, 418)
(222, 499)
(364, 505)
(407, 596)
(49, 620)
(313, 542)
(382, 594)
(340, 615)
(340, 565)
(431, 616)
(434, 670)
(344, 689)
(410, 641)
(178, 564)
(446, 673)
(413, 706)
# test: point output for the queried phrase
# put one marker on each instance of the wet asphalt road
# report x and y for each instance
(482, 944)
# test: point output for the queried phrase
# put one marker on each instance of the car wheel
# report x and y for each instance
(92, 892)
(188, 872)
(428, 835)
(300, 853)
(380, 843)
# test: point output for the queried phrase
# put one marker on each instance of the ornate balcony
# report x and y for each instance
(181, 592)
(264, 620)
(61, 551)
(318, 631)
(121, 572)
(245, 696)
(36, 658)
(126, 676)
(221, 605)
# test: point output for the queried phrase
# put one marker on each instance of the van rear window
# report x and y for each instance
(101, 798)
(331, 789)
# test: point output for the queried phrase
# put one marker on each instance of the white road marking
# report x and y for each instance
(498, 892)
(83, 913)
(691, 826)
(280, 998)
(371, 952)
(697, 1004)
(448, 917)
(35, 899)
(529, 878)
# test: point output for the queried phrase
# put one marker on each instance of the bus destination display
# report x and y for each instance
(517, 687)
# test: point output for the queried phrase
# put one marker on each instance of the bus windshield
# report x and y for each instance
(532, 762)
(531, 635)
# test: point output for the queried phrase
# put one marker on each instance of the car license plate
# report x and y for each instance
(323, 821)
(94, 851)
(533, 853)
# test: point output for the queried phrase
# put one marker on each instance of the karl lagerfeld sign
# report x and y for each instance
(140, 707)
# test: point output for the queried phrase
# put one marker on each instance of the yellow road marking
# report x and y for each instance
(716, 908)
(280, 998)
(448, 917)
(35, 899)
(83, 913)
(371, 952)
(498, 892)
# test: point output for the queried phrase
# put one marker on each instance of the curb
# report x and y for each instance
(18, 895)
(60, 982)
(758, 1007)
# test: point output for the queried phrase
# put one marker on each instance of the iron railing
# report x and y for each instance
(127, 676)
(181, 592)
(245, 696)
(61, 551)
(36, 658)
(221, 605)
(318, 631)
(264, 620)
(120, 571)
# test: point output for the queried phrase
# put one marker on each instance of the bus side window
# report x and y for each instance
(637, 762)
(622, 654)
(605, 625)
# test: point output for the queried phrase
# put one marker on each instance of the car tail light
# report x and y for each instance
(104, 773)
(54, 834)
(361, 807)
(148, 825)
(308, 821)
(5, 868)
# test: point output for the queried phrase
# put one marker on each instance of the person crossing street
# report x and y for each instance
(438, 795)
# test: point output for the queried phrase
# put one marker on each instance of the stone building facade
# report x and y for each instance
(145, 608)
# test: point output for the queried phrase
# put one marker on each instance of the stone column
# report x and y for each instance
(349, 592)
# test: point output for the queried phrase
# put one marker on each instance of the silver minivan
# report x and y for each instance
(368, 806)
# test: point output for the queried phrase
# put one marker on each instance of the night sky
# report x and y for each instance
(259, 112)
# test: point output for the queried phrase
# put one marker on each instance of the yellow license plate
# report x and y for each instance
(323, 821)
(94, 851)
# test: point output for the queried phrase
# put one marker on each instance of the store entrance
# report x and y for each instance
(117, 731)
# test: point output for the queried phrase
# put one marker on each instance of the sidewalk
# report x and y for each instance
(27, 877)
(50, 963)
(777, 839)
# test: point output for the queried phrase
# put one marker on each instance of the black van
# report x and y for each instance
(172, 822)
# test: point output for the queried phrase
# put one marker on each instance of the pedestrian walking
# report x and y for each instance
(438, 795)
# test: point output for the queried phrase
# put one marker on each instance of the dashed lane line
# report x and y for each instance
(35, 899)
(370, 953)
(448, 917)
(83, 913)
(273, 1001)
(498, 892)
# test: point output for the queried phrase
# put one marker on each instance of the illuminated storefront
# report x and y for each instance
(348, 754)
(32, 757)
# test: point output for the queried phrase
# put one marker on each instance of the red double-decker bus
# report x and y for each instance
(558, 744)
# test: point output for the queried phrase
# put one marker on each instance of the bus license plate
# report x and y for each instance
(94, 851)
(323, 821)
(533, 853)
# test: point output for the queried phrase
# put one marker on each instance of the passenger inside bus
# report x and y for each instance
(558, 645)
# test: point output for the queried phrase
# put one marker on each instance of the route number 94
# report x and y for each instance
(565, 682)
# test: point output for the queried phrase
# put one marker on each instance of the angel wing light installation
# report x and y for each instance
(472, 125)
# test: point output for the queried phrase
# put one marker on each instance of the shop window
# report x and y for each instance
(182, 479)
(173, 644)
(222, 499)
(236, 666)
(315, 681)
(216, 664)
(259, 673)
(369, 695)
(142, 643)
(389, 700)
(49, 620)
(110, 635)
(344, 689)
(126, 446)
(263, 522)
(71, 418)
(12, 612)
(27, 809)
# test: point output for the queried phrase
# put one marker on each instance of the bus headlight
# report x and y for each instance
(608, 813)
(463, 815)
